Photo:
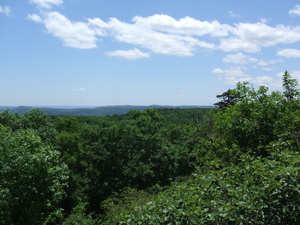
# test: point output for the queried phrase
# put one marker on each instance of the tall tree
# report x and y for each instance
(290, 86)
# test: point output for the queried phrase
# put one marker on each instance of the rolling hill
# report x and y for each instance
(95, 111)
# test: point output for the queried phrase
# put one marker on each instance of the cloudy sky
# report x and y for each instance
(142, 52)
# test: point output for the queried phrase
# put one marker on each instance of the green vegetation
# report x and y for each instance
(92, 111)
(32, 179)
(236, 164)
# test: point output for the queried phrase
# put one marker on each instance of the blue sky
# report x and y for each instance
(141, 52)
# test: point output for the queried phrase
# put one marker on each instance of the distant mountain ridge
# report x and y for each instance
(92, 111)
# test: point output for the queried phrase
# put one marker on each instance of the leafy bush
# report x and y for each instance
(32, 179)
(258, 191)
(79, 217)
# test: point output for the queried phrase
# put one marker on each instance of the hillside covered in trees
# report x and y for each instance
(236, 164)
(92, 111)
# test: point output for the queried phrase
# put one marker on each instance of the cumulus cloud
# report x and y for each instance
(270, 62)
(263, 63)
(251, 37)
(232, 76)
(145, 34)
(34, 17)
(235, 72)
(161, 43)
(236, 44)
(129, 54)
(46, 4)
(72, 34)
(289, 53)
(185, 26)
(262, 80)
(100, 27)
(5, 10)
(235, 75)
(239, 58)
(264, 35)
(242, 59)
(295, 11)
(163, 34)
(85, 34)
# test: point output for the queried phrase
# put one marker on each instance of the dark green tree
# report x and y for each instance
(38, 120)
(138, 152)
(258, 119)
(226, 99)
(32, 179)
(12, 120)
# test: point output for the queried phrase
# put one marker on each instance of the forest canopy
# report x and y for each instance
(234, 164)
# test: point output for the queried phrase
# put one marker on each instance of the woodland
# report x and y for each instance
(237, 163)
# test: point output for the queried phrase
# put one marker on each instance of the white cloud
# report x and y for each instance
(235, 44)
(232, 76)
(251, 37)
(264, 20)
(34, 17)
(47, 4)
(158, 42)
(129, 54)
(263, 63)
(236, 75)
(295, 74)
(239, 58)
(295, 11)
(185, 26)
(267, 69)
(165, 35)
(266, 63)
(5, 10)
(99, 26)
(235, 72)
(84, 34)
(73, 34)
(147, 38)
(262, 81)
(234, 15)
(264, 35)
(289, 53)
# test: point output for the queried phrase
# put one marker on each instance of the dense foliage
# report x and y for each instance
(248, 166)
(32, 179)
(257, 191)
(65, 166)
(237, 164)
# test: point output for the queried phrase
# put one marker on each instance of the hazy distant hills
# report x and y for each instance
(88, 111)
